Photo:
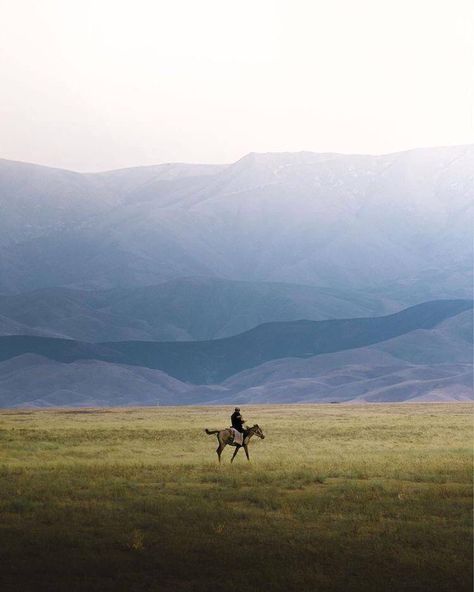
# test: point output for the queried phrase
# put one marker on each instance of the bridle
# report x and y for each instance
(256, 430)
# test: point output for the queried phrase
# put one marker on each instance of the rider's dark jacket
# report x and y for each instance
(237, 421)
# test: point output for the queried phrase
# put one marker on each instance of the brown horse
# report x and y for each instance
(224, 437)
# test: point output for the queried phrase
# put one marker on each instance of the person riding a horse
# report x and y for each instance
(226, 437)
(237, 421)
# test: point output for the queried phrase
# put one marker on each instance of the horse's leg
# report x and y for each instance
(220, 448)
(237, 448)
(246, 451)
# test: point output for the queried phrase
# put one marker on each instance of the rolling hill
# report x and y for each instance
(209, 362)
(398, 369)
(434, 364)
(44, 382)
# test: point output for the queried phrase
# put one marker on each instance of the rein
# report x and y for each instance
(250, 432)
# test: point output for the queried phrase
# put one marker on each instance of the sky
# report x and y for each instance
(99, 84)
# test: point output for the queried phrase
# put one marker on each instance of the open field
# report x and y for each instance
(337, 497)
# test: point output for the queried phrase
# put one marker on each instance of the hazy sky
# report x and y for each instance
(98, 84)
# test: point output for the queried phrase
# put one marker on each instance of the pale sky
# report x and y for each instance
(99, 84)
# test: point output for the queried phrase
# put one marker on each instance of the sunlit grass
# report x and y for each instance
(336, 497)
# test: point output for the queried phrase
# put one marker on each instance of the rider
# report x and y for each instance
(237, 420)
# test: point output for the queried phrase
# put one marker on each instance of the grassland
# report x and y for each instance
(354, 498)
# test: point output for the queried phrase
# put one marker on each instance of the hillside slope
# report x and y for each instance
(399, 369)
(184, 309)
(39, 381)
(432, 364)
(210, 362)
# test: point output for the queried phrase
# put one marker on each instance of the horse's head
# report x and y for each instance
(257, 430)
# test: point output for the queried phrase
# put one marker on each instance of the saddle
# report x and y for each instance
(237, 437)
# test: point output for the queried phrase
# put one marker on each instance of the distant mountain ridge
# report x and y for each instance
(397, 223)
(210, 362)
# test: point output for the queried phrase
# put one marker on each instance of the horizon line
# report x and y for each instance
(226, 164)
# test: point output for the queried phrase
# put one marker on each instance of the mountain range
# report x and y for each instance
(398, 225)
(274, 278)
(421, 350)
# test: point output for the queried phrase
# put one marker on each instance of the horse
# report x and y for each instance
(225, 437)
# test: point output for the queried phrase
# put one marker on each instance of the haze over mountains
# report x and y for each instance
(180, 252)
(384, 223)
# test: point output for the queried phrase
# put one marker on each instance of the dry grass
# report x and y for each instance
(353, 498)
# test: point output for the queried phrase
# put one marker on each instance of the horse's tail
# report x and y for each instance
(212, 431)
